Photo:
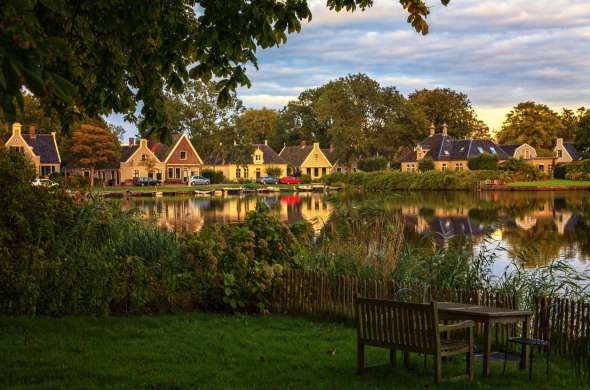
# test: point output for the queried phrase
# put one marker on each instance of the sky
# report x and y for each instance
(498, 52)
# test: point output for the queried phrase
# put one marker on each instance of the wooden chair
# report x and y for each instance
(408, 327)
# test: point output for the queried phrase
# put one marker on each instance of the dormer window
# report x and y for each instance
(257, 157)
(143, 157)
(183, 155)
(559, 154)
(480, 149)
(493, 150)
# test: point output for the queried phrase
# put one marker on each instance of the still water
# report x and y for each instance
(547, 225)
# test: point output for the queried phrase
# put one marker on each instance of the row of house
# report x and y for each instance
(449, 153)
(177, 161)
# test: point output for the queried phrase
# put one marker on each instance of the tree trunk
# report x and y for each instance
(91, 177)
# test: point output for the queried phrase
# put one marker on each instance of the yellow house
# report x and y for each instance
(307, 160)
(137, 160)
(41, 149)
(262, 159)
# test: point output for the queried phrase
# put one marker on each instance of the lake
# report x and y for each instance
(545, 225)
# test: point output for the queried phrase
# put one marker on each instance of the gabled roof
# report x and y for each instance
(43, 146)
(296, 155)
(268, 154)
(162, 150)
(446, 148)
(127, 151)
(571, 149)
(330, 155)
(509, 149)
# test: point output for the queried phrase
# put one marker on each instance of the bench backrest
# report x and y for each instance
(409, 326)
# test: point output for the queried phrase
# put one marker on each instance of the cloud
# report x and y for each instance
(499, 52)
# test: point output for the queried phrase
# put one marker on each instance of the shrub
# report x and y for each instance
(426, 164)
(216, 177)
(578, 170)
(559, 172)
(520, 169)
(305, 179)
(273, 171)
(372, 164)
(483, 162)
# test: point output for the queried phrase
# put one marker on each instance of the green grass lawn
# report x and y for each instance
(549, 183)
(221, 352)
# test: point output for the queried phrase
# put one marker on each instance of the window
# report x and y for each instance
(493, 150)
(185, 172)
(308, 170)
(527, 154)
(316, 156)
(170, 173)
(323, 171)
(143, 157)
(238, 173)
(541, 167)
(183, 155)
(178, 173)
(19, 149)
(316, 172)
(444, 167)
(136, 173)
(246, 172)
(338, 169)
(559, 154)
(480, 149)
(459, 166)
(257, 157)
(257, 173)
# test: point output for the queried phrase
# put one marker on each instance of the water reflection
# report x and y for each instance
(192, 213)
(544, 225)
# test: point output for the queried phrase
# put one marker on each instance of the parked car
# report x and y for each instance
(267, 180)
(198, 180)
(146, 181)
(289, 180)
(43, 183)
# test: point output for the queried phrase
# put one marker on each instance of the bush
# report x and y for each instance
(483, 162)
(216, 177)
(520, 169)
(559, 172)
(305, 179)
(273, 171)
(426, 164)
(372, 164)
(578, 170)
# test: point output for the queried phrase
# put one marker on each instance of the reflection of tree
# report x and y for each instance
(536, 246)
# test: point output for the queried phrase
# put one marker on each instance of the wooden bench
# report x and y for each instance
(409, 327)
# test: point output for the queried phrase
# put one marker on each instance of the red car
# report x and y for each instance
(289, 180)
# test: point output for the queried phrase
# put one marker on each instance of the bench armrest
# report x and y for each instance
(459, 325)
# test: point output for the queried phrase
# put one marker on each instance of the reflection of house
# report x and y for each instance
(262, 159)
(41, 149)
(565, 152)
(307, 160)
(448, 153)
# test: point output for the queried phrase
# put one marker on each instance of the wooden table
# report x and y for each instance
(488, 316)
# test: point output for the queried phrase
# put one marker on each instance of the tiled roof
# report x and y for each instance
(43, 146)
(295, 155)
(446, 148)
(162, 150)
(268, 154)
(127, 151)
(571, 149)
(509, 149)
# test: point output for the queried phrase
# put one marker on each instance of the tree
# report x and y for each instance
(569, 119)
(372, 164)
(273, 171)
(257, 125)
(532, 123)
(426, 164)
(485, 161)
(583, 132)
(95, 57)
(443, 105)
(93, 147)
(196, 113)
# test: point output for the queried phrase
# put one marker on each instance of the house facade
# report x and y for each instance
(529, 154)
(262, 159)
(565, 152)
(449, 153)
(307, 160)
(41, 149)
(339, 166)
(180, 158)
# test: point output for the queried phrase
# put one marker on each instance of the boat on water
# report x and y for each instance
(204, 193)
(304, 188)
(289, 190)
(272, 189)
(250, 190)
(233, 191)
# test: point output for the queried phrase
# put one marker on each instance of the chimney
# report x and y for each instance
(131, 141)
(16, 128)
(302, 144)
(33, 130)
(316, 145)
(432, 128)
(559, 142)
(331, 147)
(266, 142)
(445, 129)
